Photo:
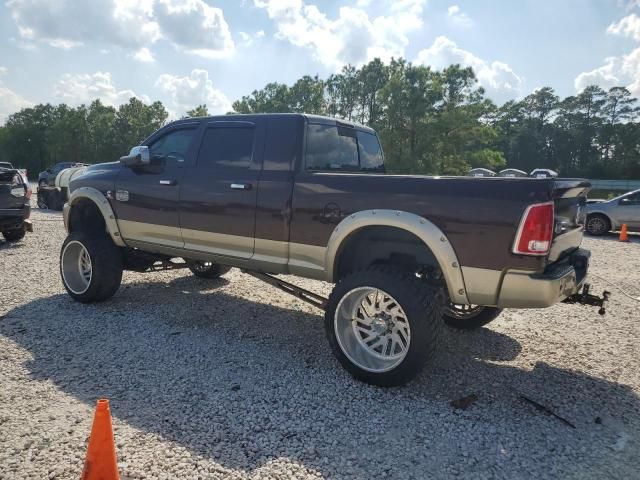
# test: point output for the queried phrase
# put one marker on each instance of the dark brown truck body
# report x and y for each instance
(266, 208)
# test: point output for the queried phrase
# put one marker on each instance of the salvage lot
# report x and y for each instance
(234, 379)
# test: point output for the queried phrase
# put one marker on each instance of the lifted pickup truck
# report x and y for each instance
(308, 196)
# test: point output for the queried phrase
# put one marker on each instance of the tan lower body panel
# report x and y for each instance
(483, 285)
(243, 252)
(218, 243)
(150, 233)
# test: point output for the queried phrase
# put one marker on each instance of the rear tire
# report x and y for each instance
(90, 266)
(476, 316)
(42, 199)
(383, 324)
(597, 225)
(207, 270)
(14, 235)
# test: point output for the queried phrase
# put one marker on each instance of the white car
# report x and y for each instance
(603, 217)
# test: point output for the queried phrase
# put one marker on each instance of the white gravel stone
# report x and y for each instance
(234, 379)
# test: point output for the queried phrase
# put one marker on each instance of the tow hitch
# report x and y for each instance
(586, 298)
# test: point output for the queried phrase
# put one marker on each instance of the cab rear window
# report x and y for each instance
(336, 147)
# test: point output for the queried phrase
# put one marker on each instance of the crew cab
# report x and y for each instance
(308, 196)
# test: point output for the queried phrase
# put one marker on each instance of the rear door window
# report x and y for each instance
(370, 152)
(227, 148)
(336, 147)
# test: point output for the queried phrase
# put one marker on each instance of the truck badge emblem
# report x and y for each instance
(122, 195)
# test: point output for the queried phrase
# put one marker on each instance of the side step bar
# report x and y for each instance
(312, 298)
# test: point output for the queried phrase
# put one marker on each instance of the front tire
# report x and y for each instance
(469, 317)
(90, 266)
(383, 325)
(14, 235)
(597, 225)
(207, 270)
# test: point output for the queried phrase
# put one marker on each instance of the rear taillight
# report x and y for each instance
(535, 231)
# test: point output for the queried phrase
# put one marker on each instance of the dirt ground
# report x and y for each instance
(233, 379)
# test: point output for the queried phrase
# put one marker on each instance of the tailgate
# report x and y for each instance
(569, 197)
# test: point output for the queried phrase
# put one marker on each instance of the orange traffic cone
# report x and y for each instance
(100, 463)
(623, 233)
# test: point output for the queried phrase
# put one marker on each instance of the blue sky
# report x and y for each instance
(187, 52)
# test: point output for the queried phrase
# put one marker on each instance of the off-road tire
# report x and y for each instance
(215, 270)
(590, 227)
(422, 305)
(106, 266)
(14, 235)
(480, 319)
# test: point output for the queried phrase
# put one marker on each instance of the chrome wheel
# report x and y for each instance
(597, 225)
(76, 267)
(463, 312)
(372, 329)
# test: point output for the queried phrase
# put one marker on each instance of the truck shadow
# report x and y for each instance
(245, 383)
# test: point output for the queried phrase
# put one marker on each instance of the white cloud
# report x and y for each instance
(84, 88)
(144, 55)
(353, 37)
(191, 25)
(195, 26)
(248, 39)
(68, 23)
(606, 76)
(498, 78)
(623, 70)
(10, 101)
(628, 26)
(458, 17)
(193, 90)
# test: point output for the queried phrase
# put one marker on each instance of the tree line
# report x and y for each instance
(429, 122)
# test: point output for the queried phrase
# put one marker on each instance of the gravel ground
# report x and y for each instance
(233, 379)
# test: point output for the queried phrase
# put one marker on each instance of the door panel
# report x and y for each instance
(628, 210)
(218, 200)
(146, 200)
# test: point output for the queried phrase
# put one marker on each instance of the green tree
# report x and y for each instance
(199, 111)
(134, 121)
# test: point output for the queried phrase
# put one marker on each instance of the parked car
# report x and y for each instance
(53, 196)
(48, 177)
(512, 172)
(9, 165)
(307, 195)
(543, 173)
(481, 172)
(605, 216)
(15, 209)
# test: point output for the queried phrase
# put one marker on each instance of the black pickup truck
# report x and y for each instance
(308, 196)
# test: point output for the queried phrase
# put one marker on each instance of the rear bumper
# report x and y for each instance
(559, 281)
(11, 218)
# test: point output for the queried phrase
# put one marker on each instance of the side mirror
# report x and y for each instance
(137, 156)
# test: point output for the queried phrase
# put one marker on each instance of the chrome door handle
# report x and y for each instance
(168, 182)
(241, 186)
